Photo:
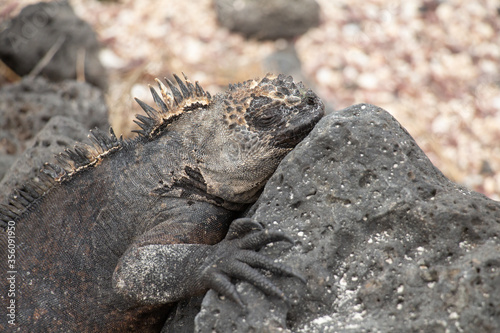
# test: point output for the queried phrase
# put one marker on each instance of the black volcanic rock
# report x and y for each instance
(52, 27)
(386, 241)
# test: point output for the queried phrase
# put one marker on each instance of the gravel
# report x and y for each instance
(435, 65)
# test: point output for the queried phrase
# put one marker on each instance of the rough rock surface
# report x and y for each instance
(386, 241)
(27, 106)
(268, 19)
(52, 26)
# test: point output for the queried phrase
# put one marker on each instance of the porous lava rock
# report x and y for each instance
(387, 243)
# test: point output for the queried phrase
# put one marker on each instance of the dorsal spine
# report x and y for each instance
(172, 103)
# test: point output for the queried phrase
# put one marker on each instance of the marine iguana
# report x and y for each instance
(113, 233)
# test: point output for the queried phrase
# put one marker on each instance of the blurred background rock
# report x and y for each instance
(435, 65)
(47, 39)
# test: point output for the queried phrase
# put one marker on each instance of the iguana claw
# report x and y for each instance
(241, 227)
(234, 258)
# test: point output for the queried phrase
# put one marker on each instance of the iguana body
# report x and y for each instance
(108, 238)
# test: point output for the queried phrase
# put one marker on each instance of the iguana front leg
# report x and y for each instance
(160, 273)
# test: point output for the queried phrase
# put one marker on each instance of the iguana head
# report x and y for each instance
(235, 140)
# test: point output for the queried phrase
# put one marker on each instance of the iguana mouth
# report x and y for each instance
(311, 111)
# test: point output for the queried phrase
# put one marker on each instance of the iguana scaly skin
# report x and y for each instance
(107, 238)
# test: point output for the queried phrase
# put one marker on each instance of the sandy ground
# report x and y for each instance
(434, 66)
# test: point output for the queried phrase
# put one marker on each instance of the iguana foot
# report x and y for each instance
(235, 257)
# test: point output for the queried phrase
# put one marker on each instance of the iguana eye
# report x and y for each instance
(264, 113)
(310, 100)
(266, 120)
